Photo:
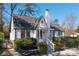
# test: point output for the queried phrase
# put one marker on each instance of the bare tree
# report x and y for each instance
(22, 8)
(25, 9)
(69, 24)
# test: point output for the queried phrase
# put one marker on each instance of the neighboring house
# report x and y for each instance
(39, 28)
(77, 32)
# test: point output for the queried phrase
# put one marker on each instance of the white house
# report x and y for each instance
(42, 29)
(39, 28)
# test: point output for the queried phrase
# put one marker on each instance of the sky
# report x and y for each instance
(58, 10)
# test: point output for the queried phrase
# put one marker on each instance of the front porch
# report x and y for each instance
(22, 33)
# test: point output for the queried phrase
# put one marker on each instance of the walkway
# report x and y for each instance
(9, 51)
(67, 52)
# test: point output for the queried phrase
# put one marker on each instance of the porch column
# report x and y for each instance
(15, 34)
(39, 33)
(25, 34)
(53, 35)
(50, 35)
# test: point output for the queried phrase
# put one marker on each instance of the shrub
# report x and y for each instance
(59, 43)
(70, 42)
(77, 42)
(1, 35)
(1, 43)
(25, 44)
(42, 48)
(67, 42)
(1, 39)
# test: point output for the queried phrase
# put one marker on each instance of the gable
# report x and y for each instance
(42, 23)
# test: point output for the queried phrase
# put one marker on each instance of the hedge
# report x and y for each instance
(66, 42)
(25, 44)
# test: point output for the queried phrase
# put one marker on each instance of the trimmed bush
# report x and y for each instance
(1, 39)
(25, 44)
(59, 43)
(70, 42)
(42, 48)
(66, 42)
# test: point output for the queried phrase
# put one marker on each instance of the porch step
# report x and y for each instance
(50, 46)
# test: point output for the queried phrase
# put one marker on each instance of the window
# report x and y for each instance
(41, 34)
(59, 33)
(41, 21)
(18, 34)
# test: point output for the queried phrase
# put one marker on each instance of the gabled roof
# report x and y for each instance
(57, 26)
(32, 23)
(25, 18)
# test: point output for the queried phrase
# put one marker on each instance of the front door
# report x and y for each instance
(41, 34)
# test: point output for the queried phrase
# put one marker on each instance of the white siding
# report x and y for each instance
(12, 32)
(62, 33)
(42, 25)
(18, 34)
(12, 35)
(33, 33)
(56, 33)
